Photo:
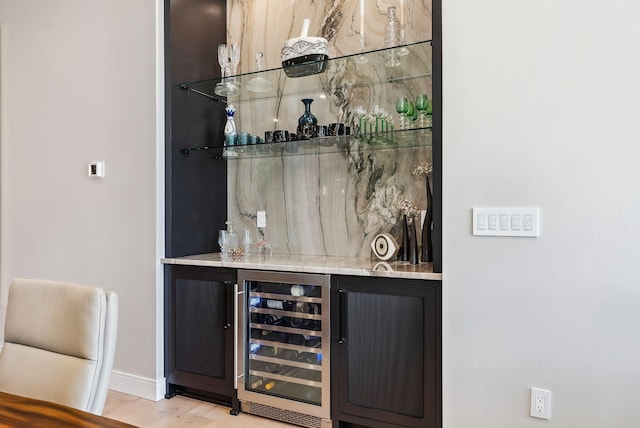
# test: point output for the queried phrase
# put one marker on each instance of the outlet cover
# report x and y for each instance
(540, 403)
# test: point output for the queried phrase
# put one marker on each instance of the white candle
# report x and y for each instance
(402, 13)
(361, 18)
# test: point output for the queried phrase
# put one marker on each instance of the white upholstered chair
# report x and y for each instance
(59, 344)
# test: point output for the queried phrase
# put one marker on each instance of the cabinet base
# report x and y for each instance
(285, 415)
(224, 400)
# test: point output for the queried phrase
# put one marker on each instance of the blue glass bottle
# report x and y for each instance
(307, 123)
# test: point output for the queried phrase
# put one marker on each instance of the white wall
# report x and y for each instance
(541, 108)
(80, 85)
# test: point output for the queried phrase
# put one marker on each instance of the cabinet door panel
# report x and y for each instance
(199, 350)
(386, 352)
(200, 327)
(385, 341)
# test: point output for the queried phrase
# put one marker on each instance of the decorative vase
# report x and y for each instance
(307, 123)
(413, 245)
(427, 244)
(230, 127)
(404, 250)
(304, 55)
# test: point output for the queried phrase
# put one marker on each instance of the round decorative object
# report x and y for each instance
(384, 246)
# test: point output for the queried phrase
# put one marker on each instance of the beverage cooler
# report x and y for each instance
(282, 347)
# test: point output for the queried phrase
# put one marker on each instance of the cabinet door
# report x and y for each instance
(386, 347)
(199, 327)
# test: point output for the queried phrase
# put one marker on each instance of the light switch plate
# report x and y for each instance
(261, 219)
(506, 221)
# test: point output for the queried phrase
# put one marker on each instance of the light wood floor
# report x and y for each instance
(178, 412)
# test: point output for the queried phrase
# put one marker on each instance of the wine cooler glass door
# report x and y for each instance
(286, 341)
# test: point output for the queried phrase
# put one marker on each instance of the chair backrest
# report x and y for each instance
(60, 342)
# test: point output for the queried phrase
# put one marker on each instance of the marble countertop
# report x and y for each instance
(313, 264)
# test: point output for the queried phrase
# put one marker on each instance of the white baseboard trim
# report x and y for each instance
(150, 389)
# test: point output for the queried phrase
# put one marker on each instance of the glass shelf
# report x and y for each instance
(415, 65)
(401, 139)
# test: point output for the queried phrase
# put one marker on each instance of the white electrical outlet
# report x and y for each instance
(540, 403)
(261, 219)
(512, 221)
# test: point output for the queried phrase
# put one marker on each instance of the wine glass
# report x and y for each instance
(411, 115)
(360, 113)
(402, 107)
(234, 55)
(225, 88)
(223, 59)
(422, 106)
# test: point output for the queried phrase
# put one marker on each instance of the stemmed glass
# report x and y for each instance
(223, 60)
(402, 107)
(234, 55)
(360, 113)
(411, 115)
(422, 106)
(225, 88)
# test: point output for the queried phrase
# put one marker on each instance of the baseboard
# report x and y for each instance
(142, 387)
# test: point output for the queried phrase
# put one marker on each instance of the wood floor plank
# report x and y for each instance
(179, 411)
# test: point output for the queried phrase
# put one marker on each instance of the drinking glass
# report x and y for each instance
(360, 113)
(223, 59)
(225, 88)
(234, 55)
(402, 107)
(222, 240)
(422, 106)
(247, 241)
(411, 115)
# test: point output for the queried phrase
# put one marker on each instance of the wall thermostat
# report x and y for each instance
(96, 169)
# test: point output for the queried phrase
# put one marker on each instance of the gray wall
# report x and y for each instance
(79, 85)
(540, 108)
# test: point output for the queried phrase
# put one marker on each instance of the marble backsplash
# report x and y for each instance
(324, 204)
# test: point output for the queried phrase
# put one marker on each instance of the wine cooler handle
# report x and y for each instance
(342, 308)
(238, 350)
(228, 309)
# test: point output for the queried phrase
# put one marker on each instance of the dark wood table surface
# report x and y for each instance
(16, 411)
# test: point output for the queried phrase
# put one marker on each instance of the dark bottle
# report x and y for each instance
(288, 354)
(295, 339)
(271, 319)
(309, 357)
(267, 351)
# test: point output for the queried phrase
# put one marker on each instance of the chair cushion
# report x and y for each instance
(65, 318)
(60, 378)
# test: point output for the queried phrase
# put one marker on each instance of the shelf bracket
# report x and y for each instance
(186, 87)
(196, 152)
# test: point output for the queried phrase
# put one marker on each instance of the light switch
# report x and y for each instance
(507, 221)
